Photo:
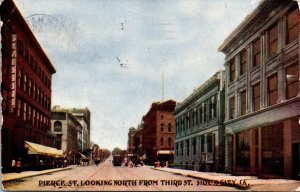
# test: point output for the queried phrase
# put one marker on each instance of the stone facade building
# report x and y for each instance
(158, 132)
(262, 92)
(83, 115)
(199, 130)
(67, 128)
(25, 88)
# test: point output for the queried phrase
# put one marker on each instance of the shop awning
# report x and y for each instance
(83, 156)
(165, 152)
(34, 148)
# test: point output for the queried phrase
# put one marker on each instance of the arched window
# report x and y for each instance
(169, 127)
(161, 141)
(57, 126)
(162, 127)
(169, 142)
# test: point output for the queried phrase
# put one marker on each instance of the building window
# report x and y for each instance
(181, 148)
(202, 144)
(272, 90)
(29, 113)
(162, 127)
(19, 108)
(194, 146)
(20, 47)
(273, 40)
(256, 52)
(24, 111)
(232, 107)
(232, 70)
(38, 95)
(161, 141)
(196, 116)
(210, 144)
(204, 112)
(209, 110)
(187, 148)
(243, 62)
(292, 81)
(26, 56)
(57, 126)
(292, 26)
(29, 87)
(243, 149)
(25, 83)
(256, 97)
(33, 117)
(31, 61)
(169, 142)
(243, 102)
(169, 127)
(200, 114)
(34, 91)
(20, 80)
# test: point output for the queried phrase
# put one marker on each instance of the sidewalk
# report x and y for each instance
(241, 182)
(15, 176)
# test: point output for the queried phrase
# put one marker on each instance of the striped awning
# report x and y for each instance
(34, 148)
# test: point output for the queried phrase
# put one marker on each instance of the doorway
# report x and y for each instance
(295, 161)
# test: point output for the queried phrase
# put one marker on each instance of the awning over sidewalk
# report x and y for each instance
(83, 156)
(34, 148)
(165, 152)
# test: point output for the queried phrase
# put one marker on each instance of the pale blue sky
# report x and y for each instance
(110, 54)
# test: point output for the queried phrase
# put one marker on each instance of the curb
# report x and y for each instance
(36, 174)
(216, 181)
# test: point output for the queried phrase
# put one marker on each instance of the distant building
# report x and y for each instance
(67, 128)
(199, 130)
(158, 132)
(131, 135)
(25, 88)
(138, 141)
(262, 92)
(83, 115)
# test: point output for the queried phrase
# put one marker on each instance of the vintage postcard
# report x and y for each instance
(140, 95)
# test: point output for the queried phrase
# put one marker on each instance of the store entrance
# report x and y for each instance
(295, 161)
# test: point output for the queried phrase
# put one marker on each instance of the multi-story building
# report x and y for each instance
(66, 126)
(262, 92)
(131, 135)
(199, 130)
(83, 115)
(138, 141)
(25, 88)
(158, 132)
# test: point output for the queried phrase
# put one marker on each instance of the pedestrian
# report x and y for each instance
(13, 164)
(19, 166)
(167, 164)
(65, 163)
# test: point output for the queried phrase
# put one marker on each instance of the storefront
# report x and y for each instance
(270, 151)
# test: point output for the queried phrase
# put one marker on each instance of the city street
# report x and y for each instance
(107, 177)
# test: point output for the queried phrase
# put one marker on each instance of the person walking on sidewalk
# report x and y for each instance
(19, 166)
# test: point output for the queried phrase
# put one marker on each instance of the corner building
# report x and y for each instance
(262, 92)
(199, 130)
(158, 132)
(25, 88)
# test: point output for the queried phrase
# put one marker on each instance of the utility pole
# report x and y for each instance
(162, 87)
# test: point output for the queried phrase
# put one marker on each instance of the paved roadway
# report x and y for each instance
(106, 177)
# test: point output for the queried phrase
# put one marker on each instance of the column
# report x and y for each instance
(287, 147)
(259, 163)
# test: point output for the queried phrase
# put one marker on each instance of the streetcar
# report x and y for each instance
(117, 160)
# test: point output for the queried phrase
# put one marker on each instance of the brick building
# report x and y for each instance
(199, 130)
(131, 135)
(25, 88)
(262, 92)
(158, 132)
